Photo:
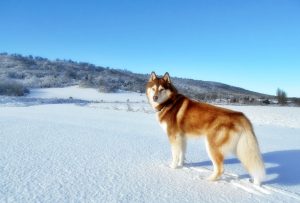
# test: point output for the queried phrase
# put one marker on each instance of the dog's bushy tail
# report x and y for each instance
(249, 154)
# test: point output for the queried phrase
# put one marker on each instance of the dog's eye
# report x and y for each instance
(153, 89)
(161, 90)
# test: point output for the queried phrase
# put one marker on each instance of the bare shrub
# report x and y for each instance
(281, 97)
(12, 88)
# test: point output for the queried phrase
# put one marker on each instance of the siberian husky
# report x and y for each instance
(225, 131)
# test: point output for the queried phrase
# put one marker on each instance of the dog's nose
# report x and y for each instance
(155, 98)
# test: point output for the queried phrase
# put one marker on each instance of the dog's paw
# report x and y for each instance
(173, 166)
(180, 165)
(212, 177)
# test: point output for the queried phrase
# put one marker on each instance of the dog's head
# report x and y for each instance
(159, 89)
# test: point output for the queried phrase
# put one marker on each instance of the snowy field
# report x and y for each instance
(77, 145)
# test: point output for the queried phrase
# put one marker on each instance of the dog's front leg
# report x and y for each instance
(175, 156)
(182, 151)
(178, 151)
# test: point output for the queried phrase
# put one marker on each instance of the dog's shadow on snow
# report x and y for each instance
(282, 167)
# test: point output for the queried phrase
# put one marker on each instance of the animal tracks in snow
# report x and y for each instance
(244, 184)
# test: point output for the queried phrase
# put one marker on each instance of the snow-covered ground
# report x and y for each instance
(89, 94)
(109, 148)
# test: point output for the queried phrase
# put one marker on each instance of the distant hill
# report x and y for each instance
(41, 72)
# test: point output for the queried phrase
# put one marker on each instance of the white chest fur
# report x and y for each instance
(163, 125)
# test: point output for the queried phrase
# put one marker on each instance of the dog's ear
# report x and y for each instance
(167, 77)
(152, 76)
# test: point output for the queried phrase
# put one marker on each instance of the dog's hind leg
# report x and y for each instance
(217, 159)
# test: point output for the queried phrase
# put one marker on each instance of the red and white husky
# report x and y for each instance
(225, 131)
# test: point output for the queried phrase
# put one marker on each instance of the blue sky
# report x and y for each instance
(251, 44)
